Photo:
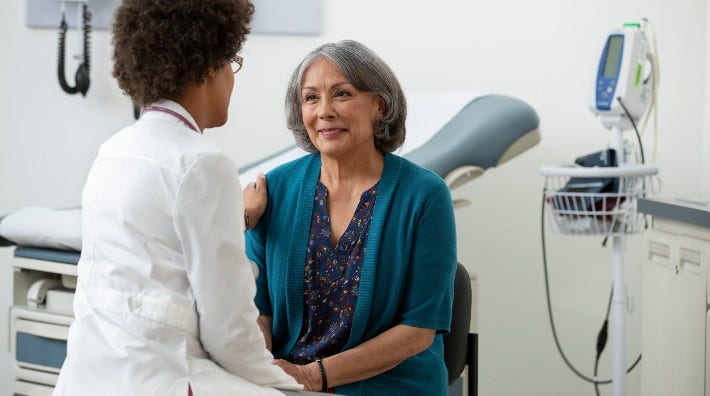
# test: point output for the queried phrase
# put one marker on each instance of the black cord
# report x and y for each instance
(643, 158)
(638, 135)
(86, 25)
(602, 337)
(596, 368)
(81, 78)
(549, 305)
(60, 58)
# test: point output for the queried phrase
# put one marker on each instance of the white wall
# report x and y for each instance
(706, 129)
(542, 52)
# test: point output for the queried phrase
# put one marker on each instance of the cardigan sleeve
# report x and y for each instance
(428, 291)
(256, 252)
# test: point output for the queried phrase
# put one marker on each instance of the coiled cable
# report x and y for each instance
(81, 77)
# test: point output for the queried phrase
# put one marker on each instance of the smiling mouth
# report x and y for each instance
(331, 133)
(332, 130)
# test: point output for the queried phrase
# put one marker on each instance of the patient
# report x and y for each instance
(164, 299)
(356, 248)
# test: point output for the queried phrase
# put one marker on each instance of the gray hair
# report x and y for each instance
(367, 73)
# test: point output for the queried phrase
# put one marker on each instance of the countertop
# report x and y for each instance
(690, 211)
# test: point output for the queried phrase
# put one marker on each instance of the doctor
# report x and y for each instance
(164, 299)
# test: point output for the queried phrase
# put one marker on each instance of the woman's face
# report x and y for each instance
(339, 118)
(221, 85)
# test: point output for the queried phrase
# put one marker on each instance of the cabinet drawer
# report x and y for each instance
(38, 344)
(22, 388)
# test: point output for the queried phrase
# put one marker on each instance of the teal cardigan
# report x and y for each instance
(407, 272)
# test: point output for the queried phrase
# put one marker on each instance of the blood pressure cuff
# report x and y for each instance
(587, 193)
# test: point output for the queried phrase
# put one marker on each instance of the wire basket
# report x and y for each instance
(598, 201)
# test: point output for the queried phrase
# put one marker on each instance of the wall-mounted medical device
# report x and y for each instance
(623, 78)
(282, 17)
(82, 76)
(45, 14)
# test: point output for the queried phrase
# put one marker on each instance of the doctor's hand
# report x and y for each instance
(307, 375)
(254, 201)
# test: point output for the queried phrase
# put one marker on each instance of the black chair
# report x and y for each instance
(460, 346)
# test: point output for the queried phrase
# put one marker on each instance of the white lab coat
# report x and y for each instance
(165, 292)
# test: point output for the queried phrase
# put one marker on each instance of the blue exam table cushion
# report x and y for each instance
(57, 256)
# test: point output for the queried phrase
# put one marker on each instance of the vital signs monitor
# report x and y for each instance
(622, 76)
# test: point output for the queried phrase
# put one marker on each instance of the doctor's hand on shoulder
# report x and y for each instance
(255, 199)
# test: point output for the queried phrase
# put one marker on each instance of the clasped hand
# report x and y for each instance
(307, 375)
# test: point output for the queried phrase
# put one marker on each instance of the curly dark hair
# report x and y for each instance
(160, 46)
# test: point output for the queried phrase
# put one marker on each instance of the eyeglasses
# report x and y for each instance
(236, 63)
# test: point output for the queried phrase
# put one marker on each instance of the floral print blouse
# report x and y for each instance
(331, 278)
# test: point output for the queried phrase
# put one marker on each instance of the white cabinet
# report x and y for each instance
(675, 321)
(39, 320)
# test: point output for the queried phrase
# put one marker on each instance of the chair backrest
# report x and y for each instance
(456, 341)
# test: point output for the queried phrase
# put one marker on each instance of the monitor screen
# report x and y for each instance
(612, 56)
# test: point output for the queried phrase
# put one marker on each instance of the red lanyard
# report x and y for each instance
(172, 113)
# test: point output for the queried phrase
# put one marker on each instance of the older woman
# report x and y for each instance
(356, 248)
(164, 298)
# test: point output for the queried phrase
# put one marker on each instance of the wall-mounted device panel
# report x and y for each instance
(48, 13)
(290, 17)
(297, 17)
